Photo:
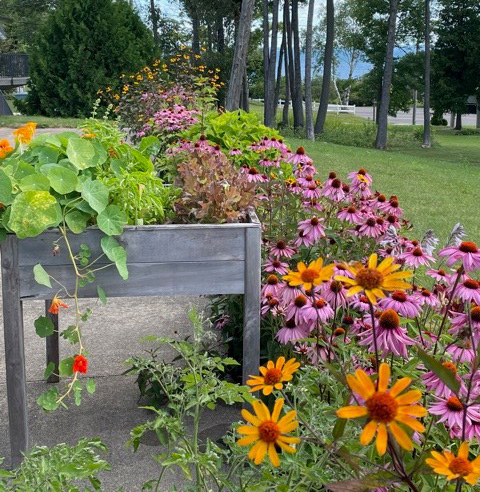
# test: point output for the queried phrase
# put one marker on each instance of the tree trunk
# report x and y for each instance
(458, 122)
(382, 130)
(240, 56)
(245, 94)
(269, 63)
(308, 73)
(327, 69)
(478, 112)
(298, 121)
(154, 17)
(290, 64)
(195, 31)
(427, 69)
(286, 106)
(220, 34)
(414, 109)
(279, 76)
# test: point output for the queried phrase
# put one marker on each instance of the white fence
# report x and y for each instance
(332, 108)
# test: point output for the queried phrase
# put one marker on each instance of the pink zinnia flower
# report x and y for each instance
(351, 214)
(277, 266)
(281, 248)
(291, 332)
(391, 337)
(466, 251)
(402, 303)
(417, 257)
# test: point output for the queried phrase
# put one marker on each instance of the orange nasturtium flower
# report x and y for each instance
(373, 279)
(310, 276)
(267, 432)
(5, 148)
(25, 133)
(89, 135)
(80, 364)
(56, 304)
(454, 467)
(273, 375)
(384, 408)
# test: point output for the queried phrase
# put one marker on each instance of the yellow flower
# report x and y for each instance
(273, 375)
(384, 409)
(310, 276)
(446, 463)
(373, 279)
(25, 133)
(267, 432)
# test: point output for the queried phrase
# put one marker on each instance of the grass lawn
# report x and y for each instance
(437, 187)
(41, 121)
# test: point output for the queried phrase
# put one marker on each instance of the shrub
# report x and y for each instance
(83, 46)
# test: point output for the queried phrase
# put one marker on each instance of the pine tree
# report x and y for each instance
(84, 46)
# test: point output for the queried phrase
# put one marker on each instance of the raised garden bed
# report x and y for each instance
(163, 260)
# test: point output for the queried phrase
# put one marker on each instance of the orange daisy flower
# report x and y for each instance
(273, 375)
(454, 467)
(267, 432)
(310, 276)
(384, 408)
(373, 279)
(56, 304)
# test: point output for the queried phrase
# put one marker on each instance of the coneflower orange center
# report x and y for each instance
(371, 222)
(336, 183)
(468, 247)
(471, 284)
(320, 303)
(417, 252)
(382, 407)
(273, 376)
(339, 331)
(314, 221)
(369, 278)
(460, 466)
(399, 296)
(309, 275)
(272, 280)
(389, 320)
(300, 301)
(454, 404)
(351, 210)
(336, 286)
(268, 431)
(475, 313)
(450, 366)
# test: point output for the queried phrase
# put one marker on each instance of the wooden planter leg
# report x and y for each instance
(53, 351)
(251, 303)
(14, 350)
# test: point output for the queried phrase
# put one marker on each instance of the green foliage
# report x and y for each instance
(60, 468)
(84, 46)
(231, 130)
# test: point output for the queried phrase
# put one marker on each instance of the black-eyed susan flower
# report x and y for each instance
(453, 467)
(267, 431)
(273, 375)
(308, 276)
(375, 279)
(384, 408)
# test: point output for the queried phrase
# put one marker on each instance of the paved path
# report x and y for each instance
(403, 118)
(111, 335)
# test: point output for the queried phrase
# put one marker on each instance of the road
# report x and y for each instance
(403, 118)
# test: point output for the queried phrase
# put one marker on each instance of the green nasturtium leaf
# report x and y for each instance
(34, 182)
(5, 188)
(41, 276)
(49, 370)
(116, 254)
(76, 221)
(112, 220)
(49, 400)
(95, 193)
(101, 294)
(65, 368)
(80, 152)
(44, 326)
(91, 386)
(62, 180)
(32, 212)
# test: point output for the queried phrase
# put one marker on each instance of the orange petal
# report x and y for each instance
(381, 442)
(399, 386)
(383, 377)
(411, 396)
(401, 436)
(368, 432)
(351, 412)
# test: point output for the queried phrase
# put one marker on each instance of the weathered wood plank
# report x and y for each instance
(52, 344)
(251, 303)
(157, 244)
(147, 279)
(14, 350)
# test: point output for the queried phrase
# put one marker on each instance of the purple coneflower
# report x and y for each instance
(299, 157)
(417, 257)
(424, 296)
(434, 383)
(235, 152)
(462, 352)
(295, 309)
(276, 265)
(402, 303)
(335, 293)
(466, 251)
(371, 228)
(468, 290)
(304, 239)
(451, 411)
(281, 248)
(439, 275)
(312, 227)
(317, 310)
(334, 190)
(351, 214)
(272, 287)
(313, 191)
(291, 332)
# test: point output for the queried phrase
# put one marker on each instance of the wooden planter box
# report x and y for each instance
(163, 260)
